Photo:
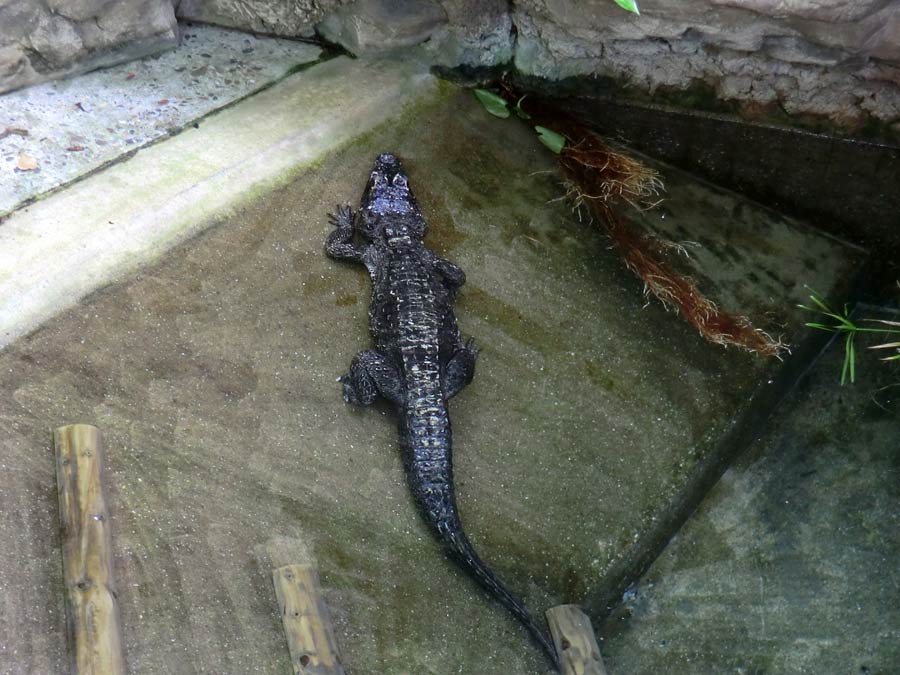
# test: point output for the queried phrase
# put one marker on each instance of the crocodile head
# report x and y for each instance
(388, 205)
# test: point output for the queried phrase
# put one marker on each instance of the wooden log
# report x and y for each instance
(307, 623)
(95, 644)
(575, 643)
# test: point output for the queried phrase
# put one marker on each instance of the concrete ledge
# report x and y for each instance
(73, 127)
(58, 250)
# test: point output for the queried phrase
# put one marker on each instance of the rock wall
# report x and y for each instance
(367, 27)
(287, 18)
(45, 39)
(838, 59)
(832, 59)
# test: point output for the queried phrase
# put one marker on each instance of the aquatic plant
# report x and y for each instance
(845, 326)
(556, 142)
(494, 103)
(596, 177)
(497, 106)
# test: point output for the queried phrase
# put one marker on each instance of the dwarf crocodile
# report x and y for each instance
(419, 360)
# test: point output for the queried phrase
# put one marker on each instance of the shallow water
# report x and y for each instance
(789, 565)
(591, 418)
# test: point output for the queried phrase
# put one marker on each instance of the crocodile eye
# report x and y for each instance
(400, 180)
(377, 178)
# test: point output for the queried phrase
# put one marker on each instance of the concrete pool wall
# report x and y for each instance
(181, 301)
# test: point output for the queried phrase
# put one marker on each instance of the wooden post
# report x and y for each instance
(95, 645)
(575, 643)
(307, 624)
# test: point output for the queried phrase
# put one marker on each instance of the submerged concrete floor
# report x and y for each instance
(213, 372)
(791, 563)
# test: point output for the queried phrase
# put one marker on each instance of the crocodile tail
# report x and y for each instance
(461, 550)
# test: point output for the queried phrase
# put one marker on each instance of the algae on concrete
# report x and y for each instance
(56, 251)
(790, 564)
(212, 375)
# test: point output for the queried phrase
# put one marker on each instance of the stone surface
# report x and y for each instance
(59, 249)
(740, 26)
(477, 34)
(288, 18)
(47, 39)
(454, 32)
(790, 565)
(372, 26)
(838, 60)
(832, 11)
(73, 127)
(212, 374)
(792, 59)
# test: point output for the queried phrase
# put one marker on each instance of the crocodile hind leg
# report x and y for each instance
(460, 369)
(372, 374)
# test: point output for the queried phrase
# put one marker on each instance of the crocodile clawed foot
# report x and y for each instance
(342, 218)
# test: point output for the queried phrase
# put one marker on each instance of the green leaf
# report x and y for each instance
(519, 111)
(822, 306)
(849, 367)
(850, 330)
(886, 323)
(887, 345)
(493, 103)
(842, 319)
(556, 142)
(630, 5)
(852, 358)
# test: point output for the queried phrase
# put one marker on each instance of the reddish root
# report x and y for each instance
(597, 175)
(679, 292)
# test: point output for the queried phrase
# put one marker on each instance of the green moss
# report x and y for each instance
(346, 300)
(507, 317)
(597, 376)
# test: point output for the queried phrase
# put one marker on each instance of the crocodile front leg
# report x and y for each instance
(452, 274)
(340, 242)
(372, 374)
